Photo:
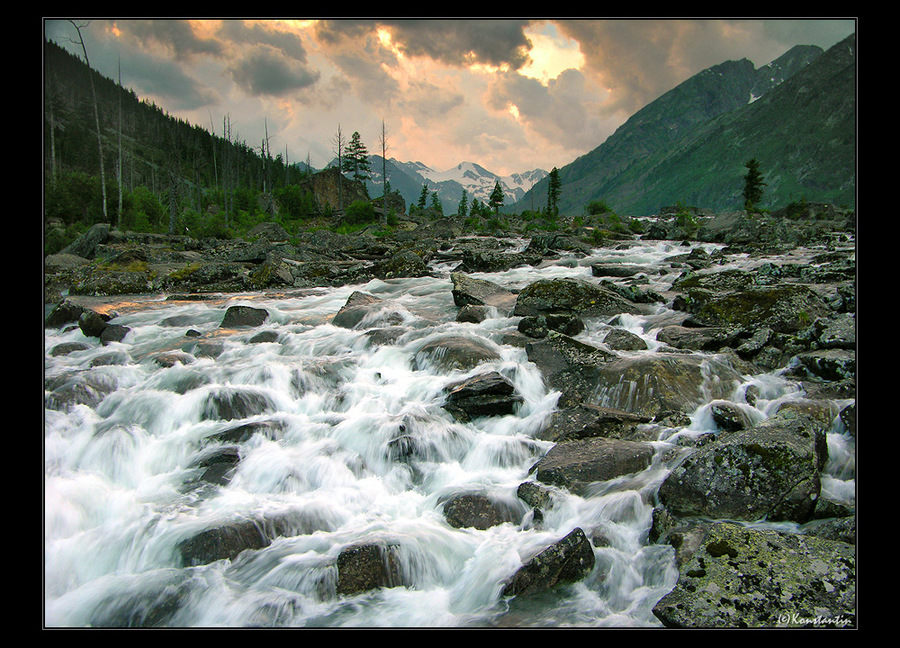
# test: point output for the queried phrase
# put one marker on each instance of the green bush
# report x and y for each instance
(360, 212)
(596, 207)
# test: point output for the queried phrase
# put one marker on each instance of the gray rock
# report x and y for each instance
(571, 296)
(575, 465)
(745, 578)
(241, 316)
(363, 307)
(480, 292)
(622, 340)
(770, 471)
(488, 394)
(454, 352)
(365, 567)
(480, 511)
(568, 365)
(566, 561)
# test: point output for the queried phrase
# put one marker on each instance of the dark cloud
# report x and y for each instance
(458, 42)
(263, 70)
(175, 36)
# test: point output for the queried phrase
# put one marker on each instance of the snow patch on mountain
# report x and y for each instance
(478, 182)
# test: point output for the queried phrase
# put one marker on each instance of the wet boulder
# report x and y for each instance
(576, 464)
(707, 338)
(620, 339)
(740, 577)
(65, 312)
(362, 309)
(785, 308)
(568, 365)
(404, 264)
(454, 352)
(480, 292)
(827, 364)
(769, 471)
(367, 566)
(660, 382)
(228, 540)
(488, 394)
(228, 403)
(538, 326)
(481, 511)
(572, 296)
(244, 316)
(585, 420)
(565, 561)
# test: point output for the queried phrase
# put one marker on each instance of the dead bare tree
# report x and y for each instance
(78, 28)
(384, 177)
(338, 144)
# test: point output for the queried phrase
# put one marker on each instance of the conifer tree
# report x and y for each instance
(753, 184)
(553, 189)
(356, 158)
(496, 200)
(463, 204)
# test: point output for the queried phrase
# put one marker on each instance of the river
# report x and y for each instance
(121, 489)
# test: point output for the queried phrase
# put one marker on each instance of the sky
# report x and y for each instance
(509, 94)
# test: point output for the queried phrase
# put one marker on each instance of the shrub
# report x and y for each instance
(360, 212)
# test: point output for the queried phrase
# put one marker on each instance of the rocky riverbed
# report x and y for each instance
(716, 381)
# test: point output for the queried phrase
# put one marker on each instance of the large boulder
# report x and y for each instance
(488, 394)
(244, 316)
(367, 566)
(573, 296)
(659, 382)
(454, 352)
(585, 420)
(740, 577)
(576, 464)
(786, 308)
(770, 471)
(404, 264)
(480, 511)
(568, 365)
(481, 292)
(362, 310)
(229, 539)
(565, 561)
(85, 246)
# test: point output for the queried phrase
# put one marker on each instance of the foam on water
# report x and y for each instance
(336, 416)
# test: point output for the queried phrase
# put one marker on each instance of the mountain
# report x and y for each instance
(795, 115)
(475, 180)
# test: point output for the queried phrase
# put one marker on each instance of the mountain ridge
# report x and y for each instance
(645, 164)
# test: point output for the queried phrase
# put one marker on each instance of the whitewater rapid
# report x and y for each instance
(121, 488)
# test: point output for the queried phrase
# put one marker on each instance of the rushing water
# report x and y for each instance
(120, 489)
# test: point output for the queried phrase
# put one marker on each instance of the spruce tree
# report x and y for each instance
(356, 158)
(553, 190)
(753, 184)
(463, 204)
(496, 200)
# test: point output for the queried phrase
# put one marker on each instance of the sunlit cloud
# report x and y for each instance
(511, 95)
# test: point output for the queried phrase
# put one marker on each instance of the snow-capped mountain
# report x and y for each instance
(475, 180)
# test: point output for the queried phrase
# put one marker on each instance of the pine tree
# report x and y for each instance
(356, 158)
(463, 204)
(423, 197)
(553, 190)
(496, 200)
(753, 184)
